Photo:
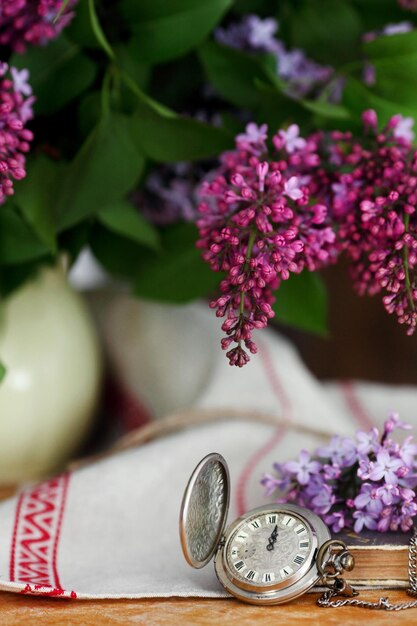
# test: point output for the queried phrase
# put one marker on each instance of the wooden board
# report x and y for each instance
(17, 610)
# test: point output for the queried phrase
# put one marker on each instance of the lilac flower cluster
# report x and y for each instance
(24, 22)
(364, 482)
(16, 102)
(259, 223)
(254, 34)
(374, 200)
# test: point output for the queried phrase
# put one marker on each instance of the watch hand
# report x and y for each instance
(272, 539)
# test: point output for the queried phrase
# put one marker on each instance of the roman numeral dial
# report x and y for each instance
(269, 548)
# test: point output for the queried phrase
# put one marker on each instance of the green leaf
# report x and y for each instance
(326, 109)
(104, 170)
(395, 61)
(129, 63)
(89, 112)
(98, 31)
(36, 197)
(164, 136)
(124, 219)
(358, 98)
(18, 243)
(59, 73)
(80, 30)
(396, 80)
(234, 73)
(138, 73)
(14, 276)
(390, 46)
(165, 30)
(328, 31)
(302, 302)
(119, 255)
(177, 273)
(276, 108)
(378, 13)
(74, 240)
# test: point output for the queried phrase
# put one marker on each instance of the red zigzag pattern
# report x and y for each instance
(36, 533)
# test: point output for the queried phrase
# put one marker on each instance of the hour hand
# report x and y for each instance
(272, 539)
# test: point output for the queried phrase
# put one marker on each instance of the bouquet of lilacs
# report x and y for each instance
(143, 127)
(276, 207)
(367, 481)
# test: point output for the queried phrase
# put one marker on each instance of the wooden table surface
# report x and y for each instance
(17, 610)
(24, 610)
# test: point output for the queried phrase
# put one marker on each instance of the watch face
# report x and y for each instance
(271, 548)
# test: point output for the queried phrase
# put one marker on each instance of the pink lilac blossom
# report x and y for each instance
(31, 22)
(371, 487)
(254, 34)
(15, 110)
(259, 223)
(374, 199)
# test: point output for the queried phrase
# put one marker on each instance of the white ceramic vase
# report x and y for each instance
(49, 346)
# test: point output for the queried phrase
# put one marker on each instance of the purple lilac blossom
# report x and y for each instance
(371, 487)
(15, 110)
(259, 223)
(169, 194)
(374, 205)
(31, 22)
(303, 468)
(254, 34)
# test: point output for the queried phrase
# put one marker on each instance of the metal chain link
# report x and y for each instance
(383, 604)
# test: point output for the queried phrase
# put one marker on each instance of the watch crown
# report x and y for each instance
(347, 561)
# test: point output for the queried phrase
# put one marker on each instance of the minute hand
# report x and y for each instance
(272, 539)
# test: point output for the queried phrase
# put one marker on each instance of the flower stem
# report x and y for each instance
(251, 242)
(407, 268)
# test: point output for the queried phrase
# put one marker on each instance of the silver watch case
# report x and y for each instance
(299, 583)
(202, 531)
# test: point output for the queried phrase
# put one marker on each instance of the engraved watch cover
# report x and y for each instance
(204, 510)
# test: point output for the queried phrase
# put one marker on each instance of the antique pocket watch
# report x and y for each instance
(270, 555)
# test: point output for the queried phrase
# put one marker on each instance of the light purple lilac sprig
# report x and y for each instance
(168, 194)
(254, 34)
(364, 482)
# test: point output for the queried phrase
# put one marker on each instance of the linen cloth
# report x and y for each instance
(110, 529)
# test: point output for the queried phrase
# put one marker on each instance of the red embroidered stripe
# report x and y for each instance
(37, 527)
(356, 408)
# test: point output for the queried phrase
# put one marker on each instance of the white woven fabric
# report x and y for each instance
(110, 530)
